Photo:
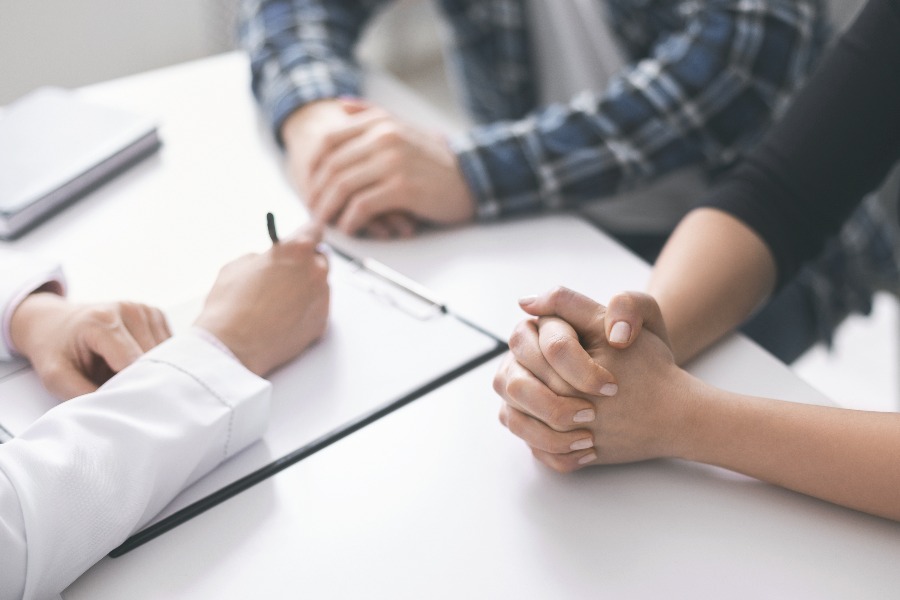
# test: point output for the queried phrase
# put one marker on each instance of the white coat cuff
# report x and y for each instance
(246, 394)
(21, 275)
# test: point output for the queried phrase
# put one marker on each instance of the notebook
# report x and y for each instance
(55, 147)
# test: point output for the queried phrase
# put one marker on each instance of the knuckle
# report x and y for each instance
(389, 133)
(517, 338)
(328, 141)
(131, 309)
(562, 463)
(340, 189)
(558, 463)
(52, 372)
(557, 347)
(560, 293)
(103, 316)
(566, 465)
(499, 383)
(516, 387)
(559, 444)
(554, 416)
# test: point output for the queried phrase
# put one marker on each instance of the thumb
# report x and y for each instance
(628, 313)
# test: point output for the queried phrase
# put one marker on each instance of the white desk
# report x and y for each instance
(436, 499)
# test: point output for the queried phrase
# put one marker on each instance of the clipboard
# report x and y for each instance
(388, 342)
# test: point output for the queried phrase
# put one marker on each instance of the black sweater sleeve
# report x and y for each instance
(837, 142)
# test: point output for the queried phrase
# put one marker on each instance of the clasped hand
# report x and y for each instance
(586, 385)
(362, 169)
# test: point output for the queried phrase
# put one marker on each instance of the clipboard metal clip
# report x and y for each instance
(391, 287)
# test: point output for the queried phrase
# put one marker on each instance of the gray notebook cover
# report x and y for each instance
(54, 147)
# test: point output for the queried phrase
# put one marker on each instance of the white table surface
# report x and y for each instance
(436, 499)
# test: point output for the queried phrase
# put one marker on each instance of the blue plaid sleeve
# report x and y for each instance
(702, 95)
(302, 50)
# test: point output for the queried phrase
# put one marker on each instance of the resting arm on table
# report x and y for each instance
(723, 260)
(551, 384)
(96, 468)
(699, 91)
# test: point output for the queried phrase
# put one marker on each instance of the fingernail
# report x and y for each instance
(585, 416)
(582, 444)
(609, 389)
(620, 332)
(587, 459)
(527, 300)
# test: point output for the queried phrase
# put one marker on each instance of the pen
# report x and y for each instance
(270, 223)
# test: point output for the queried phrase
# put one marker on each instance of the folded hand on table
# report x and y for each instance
(584, 385)
(376, 174)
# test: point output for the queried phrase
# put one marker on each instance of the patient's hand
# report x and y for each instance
(376, 170)
(576, 399)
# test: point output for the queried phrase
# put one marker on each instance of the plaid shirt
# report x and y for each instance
(705, 79)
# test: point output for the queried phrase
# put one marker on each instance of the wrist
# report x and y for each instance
(233, 341)
(691, 401)
(23, 328)
(309, 117)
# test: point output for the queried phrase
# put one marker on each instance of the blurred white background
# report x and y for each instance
(67, 43)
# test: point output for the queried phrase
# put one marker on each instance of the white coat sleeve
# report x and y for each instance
(97, 468)
(21, 274)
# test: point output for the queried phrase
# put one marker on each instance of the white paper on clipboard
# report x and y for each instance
(380, 344)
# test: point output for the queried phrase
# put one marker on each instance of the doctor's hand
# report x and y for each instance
(375, 169)
(577, 398)
(267, 308)
(76, 348)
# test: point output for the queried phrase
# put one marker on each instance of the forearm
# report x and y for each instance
(711, 275)
(843, 456)
(89, 472)
(691, 99)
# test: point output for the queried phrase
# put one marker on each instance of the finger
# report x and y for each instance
(525, 392)
(557, 358)
(364, 207)
(566, 463)
(525, 346)
(342, 158)
(357, 125)
(159, 326)
(401, 225)
(378, 230)
(63, 380)
(579, 310)
(537, 435)
(136, 321)
(339, 192)
(628, 313)
(301, 243)
(112, 342)
(563, 352)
